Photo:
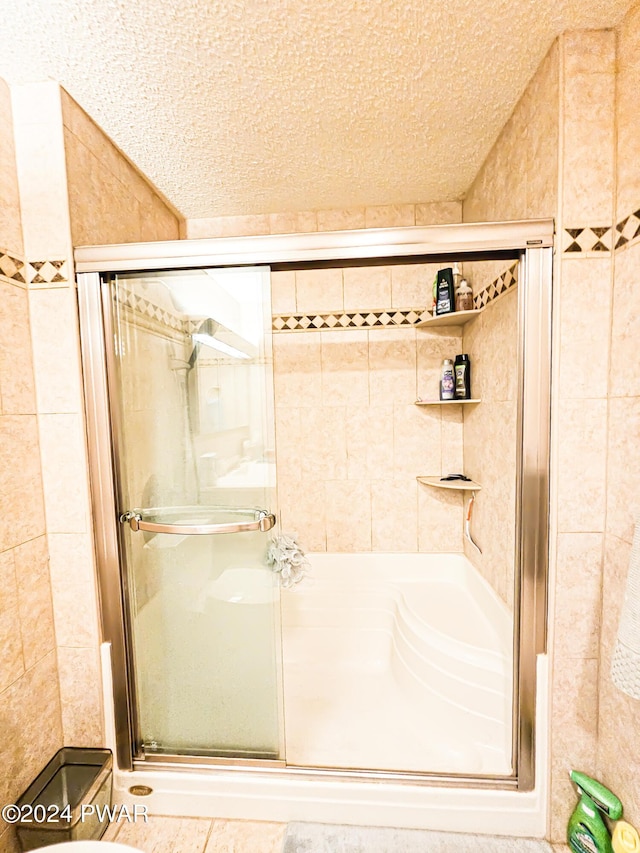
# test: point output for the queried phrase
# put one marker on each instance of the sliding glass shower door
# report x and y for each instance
(190, 387)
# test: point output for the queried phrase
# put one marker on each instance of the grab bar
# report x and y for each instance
(263, 521)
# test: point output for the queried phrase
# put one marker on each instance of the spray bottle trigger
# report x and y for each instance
(601, 797)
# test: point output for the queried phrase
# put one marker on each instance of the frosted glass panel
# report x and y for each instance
(194, 394)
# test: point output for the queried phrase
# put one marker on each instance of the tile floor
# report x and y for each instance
(206, 835)
(198, 835)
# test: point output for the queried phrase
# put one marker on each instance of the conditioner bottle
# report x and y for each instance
(462, 370)
(447, 381)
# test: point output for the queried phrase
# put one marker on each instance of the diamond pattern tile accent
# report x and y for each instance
(596, 238)
(381, 319)
(151, 311)
(502, 284)
(602, 238)
(352, 320)
(47, 272)
(628, 230)
(12, 267)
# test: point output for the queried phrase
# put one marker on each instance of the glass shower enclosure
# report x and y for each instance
(190, 387)
(178, 376)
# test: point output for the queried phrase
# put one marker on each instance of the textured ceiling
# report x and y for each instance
(234, 107)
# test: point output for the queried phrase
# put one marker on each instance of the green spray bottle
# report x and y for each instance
(587, 832)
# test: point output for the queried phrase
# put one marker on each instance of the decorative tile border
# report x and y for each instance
(391, 318)
(498, 286)
(628, 230)
(342, 320)
(149, 310)
(12, 267)
(596, 239)
(47, 272)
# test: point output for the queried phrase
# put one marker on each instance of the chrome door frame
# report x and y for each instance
(532, 239)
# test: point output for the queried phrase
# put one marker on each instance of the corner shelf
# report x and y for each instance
(453, 318)
(445, 402)
(459, 485)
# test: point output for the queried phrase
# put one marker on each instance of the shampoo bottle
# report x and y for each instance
(446, 297)
(447, 381)
(462, 370)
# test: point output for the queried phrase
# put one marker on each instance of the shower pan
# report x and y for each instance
(212, 669)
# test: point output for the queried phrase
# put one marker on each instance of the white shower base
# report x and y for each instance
(394, 662)
(397, 662)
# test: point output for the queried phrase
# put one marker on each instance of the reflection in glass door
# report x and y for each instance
(192, 404)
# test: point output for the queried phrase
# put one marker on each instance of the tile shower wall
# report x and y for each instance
(75, 186)
(30, 716)
(518, 180)
(109, 200)
(582, 340)
(572, 97)
(349, 439)
(490, 453)
(383, 216)
(619, 715)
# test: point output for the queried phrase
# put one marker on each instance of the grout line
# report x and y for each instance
(603, 550)
(210, 830)
(27, 669)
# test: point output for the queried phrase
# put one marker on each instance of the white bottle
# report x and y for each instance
(457, 277)
(447, 381)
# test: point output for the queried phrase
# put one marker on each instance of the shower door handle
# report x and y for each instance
(262, 521)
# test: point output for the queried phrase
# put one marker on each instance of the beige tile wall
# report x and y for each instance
(349, 439)
(490, 439)
(30, 717)
(42, 177)
(74, 187)
(619, 715)
(10, 225)
(580, 407)
(386, 216)
(519, 179)
(572, 99)
(109, 200)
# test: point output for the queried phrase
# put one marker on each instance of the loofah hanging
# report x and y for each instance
(286, 556)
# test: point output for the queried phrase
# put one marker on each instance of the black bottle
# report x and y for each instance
(462, 372)
(445, 297)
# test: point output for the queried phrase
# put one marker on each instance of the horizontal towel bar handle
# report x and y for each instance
(263, 522)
